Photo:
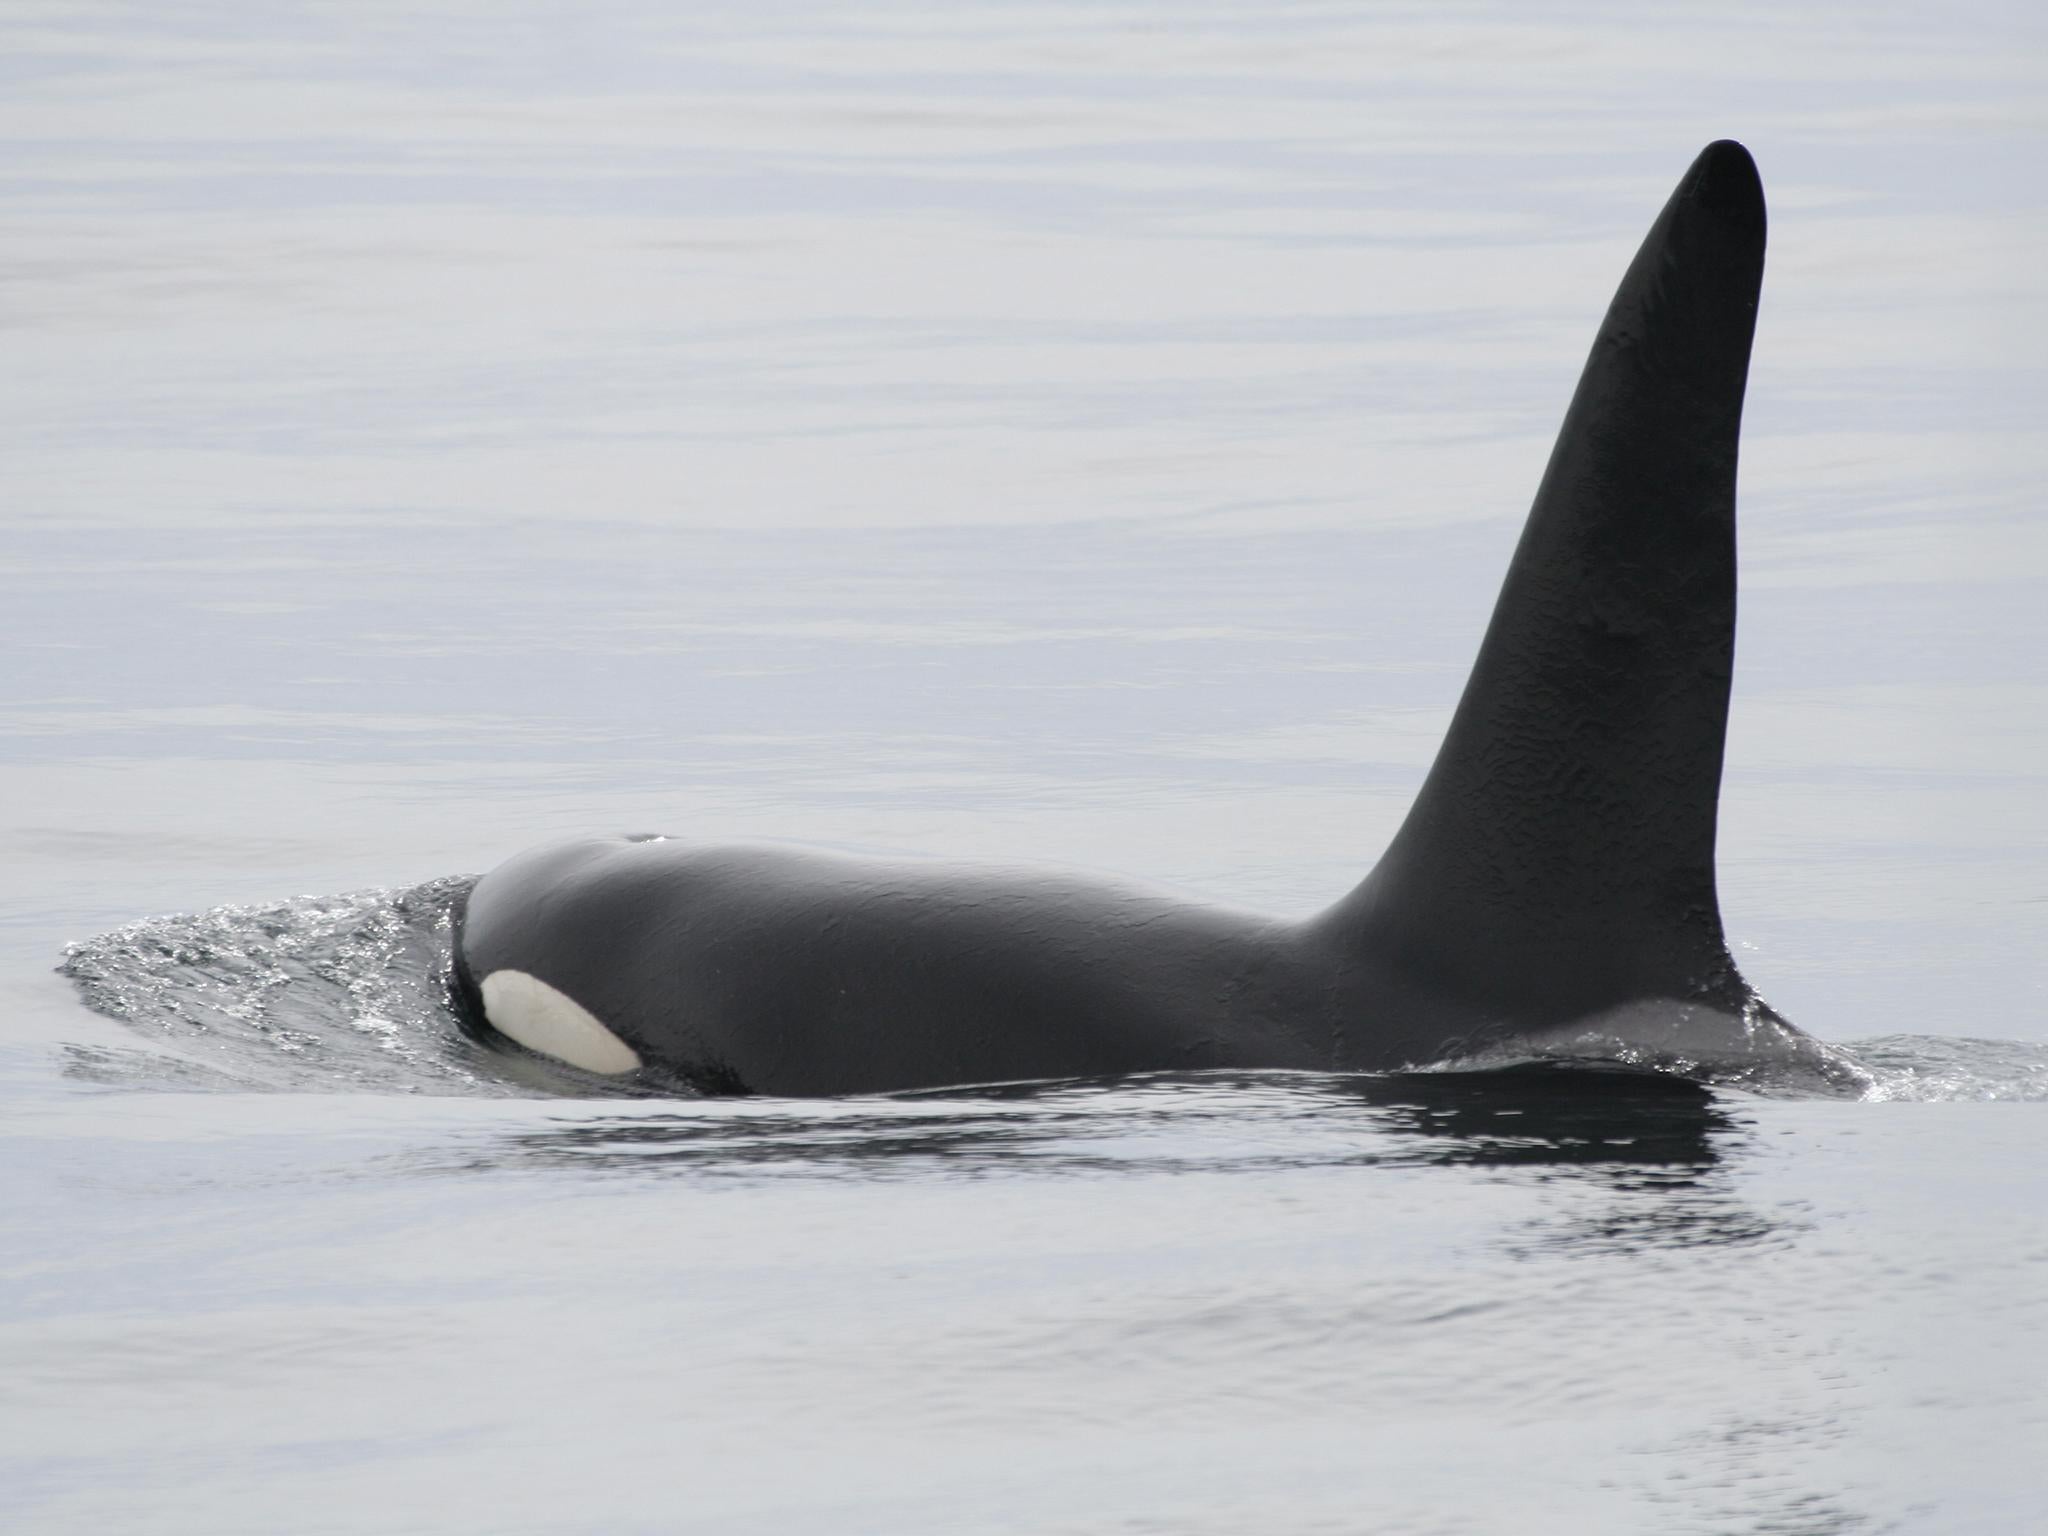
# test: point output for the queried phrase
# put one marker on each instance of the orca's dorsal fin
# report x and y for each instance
(1563, 842)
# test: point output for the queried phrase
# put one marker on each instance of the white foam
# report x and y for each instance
(553, 1024)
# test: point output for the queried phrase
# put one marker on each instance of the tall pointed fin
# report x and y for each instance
(1565, 835)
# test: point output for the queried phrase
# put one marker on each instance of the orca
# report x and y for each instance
(1550, 896)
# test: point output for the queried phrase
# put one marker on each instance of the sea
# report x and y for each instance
(1053, 434)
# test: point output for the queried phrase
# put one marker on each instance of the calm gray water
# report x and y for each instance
(1068, 434)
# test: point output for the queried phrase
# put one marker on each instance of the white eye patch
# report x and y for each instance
(552, 1023)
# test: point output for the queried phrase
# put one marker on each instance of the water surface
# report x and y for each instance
(1086, 435)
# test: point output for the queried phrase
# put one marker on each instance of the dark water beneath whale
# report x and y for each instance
(1076, 435)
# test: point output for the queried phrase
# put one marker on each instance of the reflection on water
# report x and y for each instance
(1551, 1117)
(1647, 1160)
(1627, 1124)
(1656, 1145)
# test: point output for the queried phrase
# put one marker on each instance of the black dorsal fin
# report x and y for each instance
(1563, 842)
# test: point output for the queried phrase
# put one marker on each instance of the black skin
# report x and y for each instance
(1551, 891)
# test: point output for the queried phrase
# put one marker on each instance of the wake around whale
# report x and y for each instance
(1550, 896)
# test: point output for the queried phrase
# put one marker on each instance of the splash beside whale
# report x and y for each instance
(1551, 894)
